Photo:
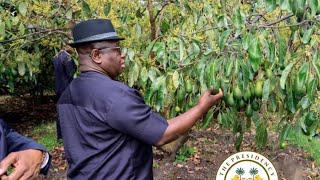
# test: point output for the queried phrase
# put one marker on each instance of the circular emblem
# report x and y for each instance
(247, 166)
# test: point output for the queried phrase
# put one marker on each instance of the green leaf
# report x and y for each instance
(86, 8)
(2, 29)
(284, 133)
(302, 73)
(290, 104)
(238, 142)
(181, 50)
(21, 69)
(255, 54)
(284, 75)
(138, 30)
(160, 97)
(106, 9)
(21, 29)
(154, 87)
(238, 18)
(246, 41)
(271, 5)
(223, 39)
(175, 79)
(23, 8)
(134, 75)
(266, 90)
(223, 22)
(207, 119)
(144, 74)
(130, 54)
(312, 89)
(271, 52)
(69, 14)
(314, 6)
(305, 102)
(228, 66)
(262, 135)
(307, 36)
(282, 49)
(284, 5)
(148, 50)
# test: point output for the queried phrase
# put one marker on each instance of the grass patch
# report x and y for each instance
(308, 144)
(46, 135)
(185, 153)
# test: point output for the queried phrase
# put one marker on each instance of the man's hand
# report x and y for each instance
(26, 164)
(207, 100)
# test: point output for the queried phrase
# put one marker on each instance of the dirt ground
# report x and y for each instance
(211, 147)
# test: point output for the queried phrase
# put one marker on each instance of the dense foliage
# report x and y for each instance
(263, 54)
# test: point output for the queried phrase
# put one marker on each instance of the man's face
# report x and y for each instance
(112, 60)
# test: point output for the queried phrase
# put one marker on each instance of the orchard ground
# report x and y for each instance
(199, 158)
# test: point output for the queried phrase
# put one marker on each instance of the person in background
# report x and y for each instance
(107, 129)
(26, 156)
(64, 69)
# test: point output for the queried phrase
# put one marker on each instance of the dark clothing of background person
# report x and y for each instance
(11, 141)
(64, 68)
(108, 130)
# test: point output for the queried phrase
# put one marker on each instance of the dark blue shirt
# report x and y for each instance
(11, 141)
(107, 129)
(64, 68)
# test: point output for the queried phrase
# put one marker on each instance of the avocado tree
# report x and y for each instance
(263, 54)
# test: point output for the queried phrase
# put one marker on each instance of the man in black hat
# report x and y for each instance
(107, 129)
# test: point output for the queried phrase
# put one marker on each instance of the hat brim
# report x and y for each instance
(80, 43)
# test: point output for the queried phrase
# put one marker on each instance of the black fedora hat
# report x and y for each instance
(93, 30)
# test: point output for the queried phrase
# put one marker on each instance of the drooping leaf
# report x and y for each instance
(255, 54)
(69, 13)
(208, 118)
(23, 8)
(284, 133)
(21, 29)
(312, 89)
(271, 52)
(181, 50)
(305, 102)
(21, 68)
(314, 6)
(175, 79)
(149, 48)
(266, 90)
(154, 87)
(302, 73)
(282, 49)
(271, 5)
(144, 74)
(284, 75)
(2, 29)
(86, 8)
(238, 142)
(290, 104)
(228, 66)
(284, 5)
(223, 39)
(107, 8)
(262, 135)
(134, 75)
(238, 18)
(307, 36)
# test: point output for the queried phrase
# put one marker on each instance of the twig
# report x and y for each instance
(39, 32)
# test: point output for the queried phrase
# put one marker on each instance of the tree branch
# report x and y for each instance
(49, 31)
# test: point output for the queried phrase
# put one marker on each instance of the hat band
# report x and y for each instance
(98, 37)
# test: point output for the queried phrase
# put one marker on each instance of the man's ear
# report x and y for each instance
(96, 56)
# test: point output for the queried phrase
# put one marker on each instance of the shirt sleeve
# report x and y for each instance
(130, 115)
(17, 142)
